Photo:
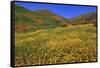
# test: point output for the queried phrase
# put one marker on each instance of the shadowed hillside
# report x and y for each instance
(85, 18)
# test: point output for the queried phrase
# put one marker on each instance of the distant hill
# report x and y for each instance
(27, 20)
(86, 18)
(37, 19)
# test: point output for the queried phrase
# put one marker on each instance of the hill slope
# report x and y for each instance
(37, 19)
(27, 20)
(85, 18)
(72, 44)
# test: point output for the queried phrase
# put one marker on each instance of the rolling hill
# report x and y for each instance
(37, 19)
(28, 20)
(86, 18)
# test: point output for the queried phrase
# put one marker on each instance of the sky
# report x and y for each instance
(67, 11)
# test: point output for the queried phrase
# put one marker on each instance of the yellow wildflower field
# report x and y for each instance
(71, 44)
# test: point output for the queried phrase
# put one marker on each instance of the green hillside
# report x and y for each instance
(26, 20)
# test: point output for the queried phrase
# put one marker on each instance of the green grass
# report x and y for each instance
(75, 43)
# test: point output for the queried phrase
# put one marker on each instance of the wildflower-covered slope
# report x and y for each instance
(75, 43)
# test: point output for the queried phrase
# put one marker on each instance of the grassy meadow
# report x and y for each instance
(71, 44)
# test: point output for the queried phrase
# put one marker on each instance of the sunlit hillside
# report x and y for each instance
(74, 43)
